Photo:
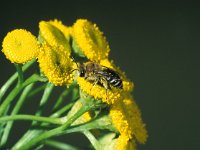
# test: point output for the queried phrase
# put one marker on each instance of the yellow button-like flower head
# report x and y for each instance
(134, 118)
(53, 36)
(20, 46)
(120, 120)
(126, 117)
(56, 65)
(66, 30)
(90, 40)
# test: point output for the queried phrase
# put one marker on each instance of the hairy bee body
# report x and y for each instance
(100, 75)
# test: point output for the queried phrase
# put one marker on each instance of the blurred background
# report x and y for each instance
(155, 43)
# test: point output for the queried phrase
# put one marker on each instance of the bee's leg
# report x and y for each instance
(106, 85)
(94, 83)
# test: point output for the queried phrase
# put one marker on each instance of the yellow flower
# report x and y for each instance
(135, 120)
(20, 46)
(53, 36)
(56, 65)
(119, 119)
(123, 143)
(126, 118)
(90, 40)
(67, 31)
(98, 92)
(127, 84)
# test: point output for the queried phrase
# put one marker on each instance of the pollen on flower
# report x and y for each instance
(56, 65)
(53, 36)
(119, 120)
(123, 143)
(98, 92)
(126, 117)
(127, 85)
(67, 31)
(90, 40)
(135, 120)
(20, 46)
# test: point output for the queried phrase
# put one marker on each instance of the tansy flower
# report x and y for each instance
(67, 31)
(53, 36)
(120, 120)
(127, 84)
(124, 143)
(99, 92)
(20, 46)
(127, 120)
(135, 119)
(56, 65)
(90, 40)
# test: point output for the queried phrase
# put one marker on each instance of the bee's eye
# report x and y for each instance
(82, 72)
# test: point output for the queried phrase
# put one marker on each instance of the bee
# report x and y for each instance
(101, 75)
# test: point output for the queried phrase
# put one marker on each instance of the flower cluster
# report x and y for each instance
(60, 51)
(124, 112)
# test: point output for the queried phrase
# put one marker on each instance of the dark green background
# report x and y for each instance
(155, 43)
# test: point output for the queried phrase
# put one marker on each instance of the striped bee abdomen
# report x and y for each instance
(112, 78)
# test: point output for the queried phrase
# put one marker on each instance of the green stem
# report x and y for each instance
(75, 93)
(59, 145)
(30, 134)
(32, 79)
(60, 99)
(14, 112)
(102, 123)
(63, 95)
(20, 73)
(9, 82)
(93, 140)
(31, 118)
(56, 131)
(45, 98)
(16, 91)
(62, 110)
(36, 90)
(9, 99)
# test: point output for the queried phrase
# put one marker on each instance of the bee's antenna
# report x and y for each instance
(75, 62)
(73, 70)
